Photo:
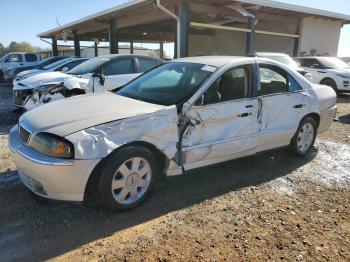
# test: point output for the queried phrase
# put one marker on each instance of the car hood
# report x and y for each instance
(73, 114)
(30, 71)
(44, 78)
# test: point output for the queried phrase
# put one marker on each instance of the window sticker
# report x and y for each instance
(208, 68)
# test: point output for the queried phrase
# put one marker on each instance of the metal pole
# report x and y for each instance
(76, 45)
(131, 46)
(96, 49)
(54, 47)
(250, 36)
(113, 37)
(183, 27)
(161, 50)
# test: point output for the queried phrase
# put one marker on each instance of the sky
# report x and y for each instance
(21, 20)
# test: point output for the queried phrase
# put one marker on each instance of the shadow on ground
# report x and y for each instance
(49, 229)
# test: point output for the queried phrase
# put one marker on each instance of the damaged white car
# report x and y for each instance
(103, 73)
(186, 114)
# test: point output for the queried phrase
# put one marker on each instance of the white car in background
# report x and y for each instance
(286, 60)
(186, 114)
(62, 65)
(17, 59)
(330, 71)
(103, 73)
(24, 88)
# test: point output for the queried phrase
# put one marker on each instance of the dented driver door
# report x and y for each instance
(224, 124)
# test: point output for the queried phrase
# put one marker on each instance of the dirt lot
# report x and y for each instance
(272, 206)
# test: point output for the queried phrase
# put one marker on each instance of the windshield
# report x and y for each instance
(88, 66)
(56, 64)
(283, 59)
(333, 62)
(168, 84)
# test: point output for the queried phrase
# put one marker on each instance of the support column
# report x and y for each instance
(113, 37)
(96, 49)
(297, 40)
(184, 14)
(161, 50)
(131, 46)
(250, 36)
(76, 45)
(54, 47)
(175, 40)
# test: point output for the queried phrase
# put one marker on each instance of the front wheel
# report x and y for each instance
(127, 178)
(330, 82)
(305, 136)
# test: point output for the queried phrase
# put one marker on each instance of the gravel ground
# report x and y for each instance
(269, 207)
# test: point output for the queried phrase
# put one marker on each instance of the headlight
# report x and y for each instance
(51, 145)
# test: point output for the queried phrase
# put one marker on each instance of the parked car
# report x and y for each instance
(62, 65)
(286, 60)
(185, 114)
(330, 71)
(43, 79)
(103, 73)
(18, 59)
(13, 71)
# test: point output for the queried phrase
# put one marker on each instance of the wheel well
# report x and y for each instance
(95, 174)
(328, 78)
(315, 117)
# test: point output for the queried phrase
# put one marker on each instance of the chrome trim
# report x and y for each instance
(46, 162)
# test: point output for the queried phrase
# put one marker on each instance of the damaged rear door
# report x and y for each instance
(223, 121)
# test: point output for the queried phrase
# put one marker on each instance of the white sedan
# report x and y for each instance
(330, 71)
(103, 73)
(183, 115)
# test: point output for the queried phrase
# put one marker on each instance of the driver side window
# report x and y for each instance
(233, 84)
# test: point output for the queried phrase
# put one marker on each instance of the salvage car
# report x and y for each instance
(186, 114)
(330, 71)
(14, 71)
(286, 60)
(62, 65)
(41, 79)
(104, 73)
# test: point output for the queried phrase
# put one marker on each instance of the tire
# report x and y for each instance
(304, 138)
(127, 178)
(330, 82)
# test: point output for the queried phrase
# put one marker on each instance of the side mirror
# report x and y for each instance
(102, 79)
(65, 69)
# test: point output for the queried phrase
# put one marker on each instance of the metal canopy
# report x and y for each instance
(142, 20)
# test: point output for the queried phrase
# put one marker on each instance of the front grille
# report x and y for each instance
(24, 134)
(19, 96)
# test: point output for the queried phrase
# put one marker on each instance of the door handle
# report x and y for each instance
(298, 106)
(248, 106)
(244, 114)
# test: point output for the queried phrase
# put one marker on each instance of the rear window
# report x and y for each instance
(146, 64)
(31, 57)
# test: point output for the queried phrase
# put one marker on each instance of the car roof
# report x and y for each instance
(217, 61)
(315, 57)
(125, 55)
(271, 54)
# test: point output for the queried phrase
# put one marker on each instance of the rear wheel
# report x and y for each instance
(127, 178)
(330, 82)
(305, 136)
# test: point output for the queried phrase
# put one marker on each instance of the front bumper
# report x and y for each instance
(326, 119)
(60, 179)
